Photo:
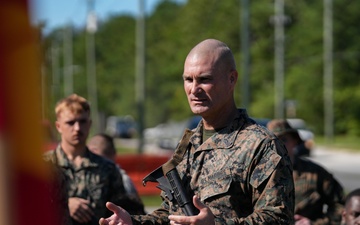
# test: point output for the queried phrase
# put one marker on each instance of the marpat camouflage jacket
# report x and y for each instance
(97, 180)
(316, 188)
(242, 173)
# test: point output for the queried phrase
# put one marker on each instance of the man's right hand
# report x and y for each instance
(120, 216)
(80, 210)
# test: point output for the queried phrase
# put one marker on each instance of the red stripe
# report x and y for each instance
(32, 202)
(28, 183)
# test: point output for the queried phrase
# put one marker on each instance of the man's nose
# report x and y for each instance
(195, 88)
(77, 125)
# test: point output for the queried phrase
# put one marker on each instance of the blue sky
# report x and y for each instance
(58, 13)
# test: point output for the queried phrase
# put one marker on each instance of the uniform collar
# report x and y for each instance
(63, 161)
(224, 138)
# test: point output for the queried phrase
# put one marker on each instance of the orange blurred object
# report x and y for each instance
(138, 166)
(24, 177)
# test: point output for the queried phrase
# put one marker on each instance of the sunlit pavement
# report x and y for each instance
(344, 165)
(148, 148)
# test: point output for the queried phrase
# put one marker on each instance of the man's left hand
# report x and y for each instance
(205, 215)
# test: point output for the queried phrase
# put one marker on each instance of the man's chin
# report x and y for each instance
(199, 110)
(78, 142)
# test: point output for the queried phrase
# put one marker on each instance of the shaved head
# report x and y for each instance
(218, 51)
(209, 80)
(103, 145)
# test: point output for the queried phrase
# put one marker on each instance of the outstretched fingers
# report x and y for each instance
(114, 208)
(120, 216)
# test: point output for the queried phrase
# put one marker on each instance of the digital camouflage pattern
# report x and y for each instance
(243, 173)
(97, 180)
(314, 188)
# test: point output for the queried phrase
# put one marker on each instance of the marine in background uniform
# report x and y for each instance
(319, 197)
(92, 179)
(103, 145)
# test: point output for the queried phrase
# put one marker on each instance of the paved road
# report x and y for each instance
(148, 148)
(344, 165)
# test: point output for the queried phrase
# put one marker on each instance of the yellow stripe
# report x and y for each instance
(23, 90)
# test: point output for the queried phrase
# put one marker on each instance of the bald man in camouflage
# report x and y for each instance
(236, 170)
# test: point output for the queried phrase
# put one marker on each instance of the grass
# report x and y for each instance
(151, 200)
(125, 150)
(348, 143)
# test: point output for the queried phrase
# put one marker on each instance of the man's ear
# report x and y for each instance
(343, 214)
(57, 125)
(233, 76)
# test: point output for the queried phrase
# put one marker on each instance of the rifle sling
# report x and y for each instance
(179, 152)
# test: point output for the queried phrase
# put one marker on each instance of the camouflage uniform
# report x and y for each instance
(242, 172)
(314, 188)
(97, 180)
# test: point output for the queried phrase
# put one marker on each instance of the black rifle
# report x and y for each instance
(169, 180)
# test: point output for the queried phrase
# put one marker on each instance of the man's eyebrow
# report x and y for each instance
(203, 75)
(76, 120)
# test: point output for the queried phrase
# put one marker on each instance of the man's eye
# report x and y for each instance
(71, 123)
(205, 79)
(83, 121)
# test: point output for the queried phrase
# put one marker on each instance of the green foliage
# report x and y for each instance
(116, 66)
(173, 29)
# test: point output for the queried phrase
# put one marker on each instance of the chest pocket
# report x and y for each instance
(96, 190)
(215, 185)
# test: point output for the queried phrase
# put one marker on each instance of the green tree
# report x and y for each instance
(173, 29)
